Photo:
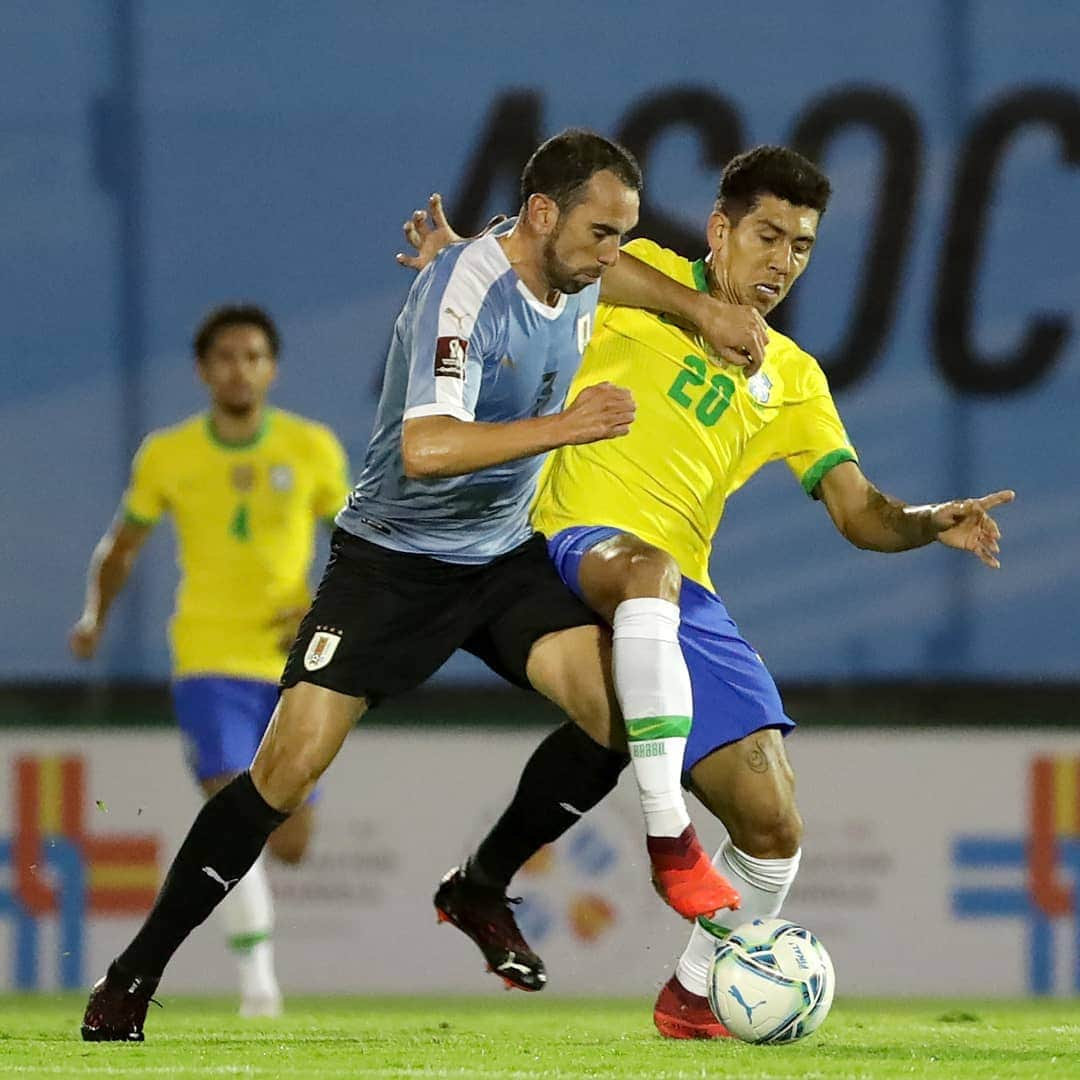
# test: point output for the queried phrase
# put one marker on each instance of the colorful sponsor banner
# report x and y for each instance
(1047, 852)
(62, 872)
(934, 864)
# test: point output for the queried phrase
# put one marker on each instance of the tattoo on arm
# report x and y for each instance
(906, 526)
(758, 760)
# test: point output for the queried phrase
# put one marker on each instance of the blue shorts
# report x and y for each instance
(222, 720)
(734, 694)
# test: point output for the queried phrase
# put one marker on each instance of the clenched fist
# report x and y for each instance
(736, 332)
(603, 411)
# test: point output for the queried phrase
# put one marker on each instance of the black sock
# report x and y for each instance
(220, 848)
(567, 767)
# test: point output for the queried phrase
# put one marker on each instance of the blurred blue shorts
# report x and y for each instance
(734, 694)
(222, 720)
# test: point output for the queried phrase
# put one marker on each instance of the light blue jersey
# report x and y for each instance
(473, 343)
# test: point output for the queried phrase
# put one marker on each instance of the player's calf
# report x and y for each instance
(290, 841)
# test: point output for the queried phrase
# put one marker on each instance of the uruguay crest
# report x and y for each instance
(321, 649)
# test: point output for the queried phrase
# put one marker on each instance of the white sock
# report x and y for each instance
(248, 914)
(260, 994)
(763, 884)
(653, 688)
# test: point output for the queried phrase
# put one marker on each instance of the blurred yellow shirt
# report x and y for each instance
(700, 433)
(245, 519)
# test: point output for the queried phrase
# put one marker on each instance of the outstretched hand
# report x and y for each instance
(428, 232)
(966, 524)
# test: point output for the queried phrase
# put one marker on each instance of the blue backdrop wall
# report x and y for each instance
(157, 159)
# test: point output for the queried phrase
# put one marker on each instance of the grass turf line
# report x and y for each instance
(522, 1038)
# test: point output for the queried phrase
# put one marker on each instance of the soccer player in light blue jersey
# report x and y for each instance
(472, 345)
(434, 551)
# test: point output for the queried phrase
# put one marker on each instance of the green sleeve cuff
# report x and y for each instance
(135, 519)
(813, 476)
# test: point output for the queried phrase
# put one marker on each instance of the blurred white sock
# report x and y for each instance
(259, 991)
(248, 914)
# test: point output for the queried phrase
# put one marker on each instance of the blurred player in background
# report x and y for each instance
(434, 551)
(246, 485)
(645, 508)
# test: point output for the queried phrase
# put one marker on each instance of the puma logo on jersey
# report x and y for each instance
(459, 319)
(210, 872)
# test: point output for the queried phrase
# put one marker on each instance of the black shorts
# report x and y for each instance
(384, 621)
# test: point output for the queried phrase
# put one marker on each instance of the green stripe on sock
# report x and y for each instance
(658, 727)
(247, 942)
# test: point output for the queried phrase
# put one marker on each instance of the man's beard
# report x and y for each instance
(558, 274)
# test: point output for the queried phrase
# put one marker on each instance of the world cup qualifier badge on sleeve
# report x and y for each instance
(450, 356)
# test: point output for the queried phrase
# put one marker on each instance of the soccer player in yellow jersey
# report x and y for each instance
(633, 520)
(246, 486)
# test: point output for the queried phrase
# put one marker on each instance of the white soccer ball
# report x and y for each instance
(771, 982)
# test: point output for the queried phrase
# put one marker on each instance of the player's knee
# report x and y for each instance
(626, 568)
(285, 779)
(645, 570)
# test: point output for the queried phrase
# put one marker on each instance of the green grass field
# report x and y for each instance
(524, 1038)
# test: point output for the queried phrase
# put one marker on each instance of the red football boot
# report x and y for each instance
(679, 1014)
(685, 877)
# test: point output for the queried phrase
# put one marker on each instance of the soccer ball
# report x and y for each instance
(771, 982)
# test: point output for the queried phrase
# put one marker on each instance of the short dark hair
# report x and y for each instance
(234, 315)
(771, 170)
(562, 167)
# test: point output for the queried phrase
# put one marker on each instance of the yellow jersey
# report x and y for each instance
(702, 429)
(245, 518)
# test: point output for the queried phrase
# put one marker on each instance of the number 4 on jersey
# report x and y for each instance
(240, 526)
